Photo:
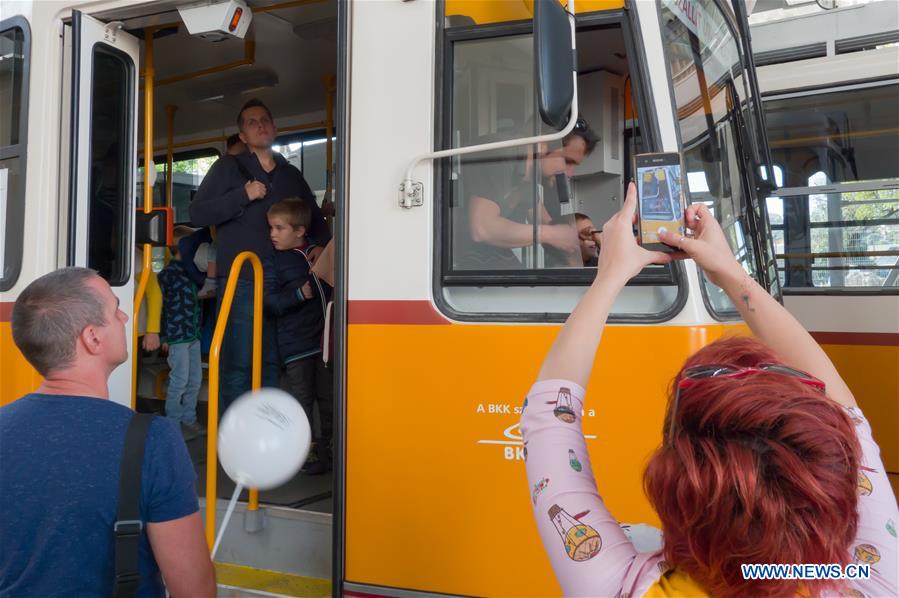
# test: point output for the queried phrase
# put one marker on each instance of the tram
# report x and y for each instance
(833, 126)
(433, 355)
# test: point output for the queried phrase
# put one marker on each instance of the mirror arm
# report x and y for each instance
(412, 192)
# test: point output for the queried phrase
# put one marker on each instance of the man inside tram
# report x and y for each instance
(501, 203)
(589, 239)
(61, 455)
(235, 197)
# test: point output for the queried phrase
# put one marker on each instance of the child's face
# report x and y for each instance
(283, 235)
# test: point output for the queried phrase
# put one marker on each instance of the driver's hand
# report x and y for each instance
(563, 237)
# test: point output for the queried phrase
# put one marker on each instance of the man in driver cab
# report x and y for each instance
(500, 190)
(235, 197)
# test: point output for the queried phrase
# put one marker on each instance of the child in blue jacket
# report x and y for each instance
(297, 299)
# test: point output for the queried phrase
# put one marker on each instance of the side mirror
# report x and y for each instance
(156, 228)
(554, 61)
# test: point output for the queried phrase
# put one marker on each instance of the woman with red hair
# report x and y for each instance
(760, 461)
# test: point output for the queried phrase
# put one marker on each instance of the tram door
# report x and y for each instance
(102, 154)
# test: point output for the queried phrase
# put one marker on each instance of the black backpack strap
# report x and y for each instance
(128, 525)
(243, 170)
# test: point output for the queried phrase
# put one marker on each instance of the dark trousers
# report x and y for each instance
(236, 365)
(310, 381)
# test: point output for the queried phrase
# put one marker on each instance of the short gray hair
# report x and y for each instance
(50, 314)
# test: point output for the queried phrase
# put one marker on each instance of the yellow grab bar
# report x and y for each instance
(256, 380)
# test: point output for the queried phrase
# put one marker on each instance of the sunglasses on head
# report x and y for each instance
(693, 375)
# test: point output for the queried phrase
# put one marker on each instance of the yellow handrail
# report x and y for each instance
(256, 380)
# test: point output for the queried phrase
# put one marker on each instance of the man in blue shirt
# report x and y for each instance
(61, 451)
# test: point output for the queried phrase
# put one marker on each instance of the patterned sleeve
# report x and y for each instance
(875, 543)
(590, 554)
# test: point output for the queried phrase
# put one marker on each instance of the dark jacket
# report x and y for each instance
(242, 225)
(300, 321)
(180, 310)
(187, 249)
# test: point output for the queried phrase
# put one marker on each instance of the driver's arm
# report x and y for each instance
(487, 225)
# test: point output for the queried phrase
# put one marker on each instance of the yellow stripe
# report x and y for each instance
(274, 582)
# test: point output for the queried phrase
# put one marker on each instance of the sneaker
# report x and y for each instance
(318, 461)
(209, 290)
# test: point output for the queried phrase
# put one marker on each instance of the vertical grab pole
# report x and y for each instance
(214, 359)
(146, 257)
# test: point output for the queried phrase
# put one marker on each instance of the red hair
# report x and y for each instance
(760, 469)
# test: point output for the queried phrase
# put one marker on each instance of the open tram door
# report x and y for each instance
(101, 60)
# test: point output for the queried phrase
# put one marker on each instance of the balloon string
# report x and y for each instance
(227, 518)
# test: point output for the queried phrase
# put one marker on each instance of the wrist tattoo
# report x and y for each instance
(745, 298)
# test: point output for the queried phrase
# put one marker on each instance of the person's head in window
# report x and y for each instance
(576, 146)
(256, 125)
(235, 145)
(588, 236)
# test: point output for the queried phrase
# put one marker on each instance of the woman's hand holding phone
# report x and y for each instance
(708, 246)
(621, 257)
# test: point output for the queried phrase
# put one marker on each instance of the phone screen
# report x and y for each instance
(659, 196)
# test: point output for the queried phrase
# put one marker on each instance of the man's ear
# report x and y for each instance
(242, 138)
(90, 340)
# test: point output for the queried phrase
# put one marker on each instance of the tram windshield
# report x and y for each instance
(710, 95)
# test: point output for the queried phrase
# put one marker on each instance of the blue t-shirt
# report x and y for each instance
(59, 487)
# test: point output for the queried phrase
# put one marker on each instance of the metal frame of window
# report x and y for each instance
(750, 179)
(850, 187)
(128, 162)
(193, 154)
(18, 150)
(303, 137)
(649, 128)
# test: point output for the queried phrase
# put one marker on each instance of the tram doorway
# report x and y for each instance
(140, 80)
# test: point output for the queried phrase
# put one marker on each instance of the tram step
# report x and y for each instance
(291, 543)
(235, 581)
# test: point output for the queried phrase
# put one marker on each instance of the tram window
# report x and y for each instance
(189, 168)
(109, 251)
(709, 91)
(509, 246)
(14, 50)
(849, 135)
(837, 240)
(507, 211)
(308, 152)
(839, 208)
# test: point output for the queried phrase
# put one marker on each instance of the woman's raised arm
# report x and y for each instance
(571, 356)
(769, 321)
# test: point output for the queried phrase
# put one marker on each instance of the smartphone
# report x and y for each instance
(660, 198)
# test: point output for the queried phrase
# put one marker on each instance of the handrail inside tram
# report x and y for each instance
(213, 396)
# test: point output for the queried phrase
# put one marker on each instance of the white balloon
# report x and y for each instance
(264, 438)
